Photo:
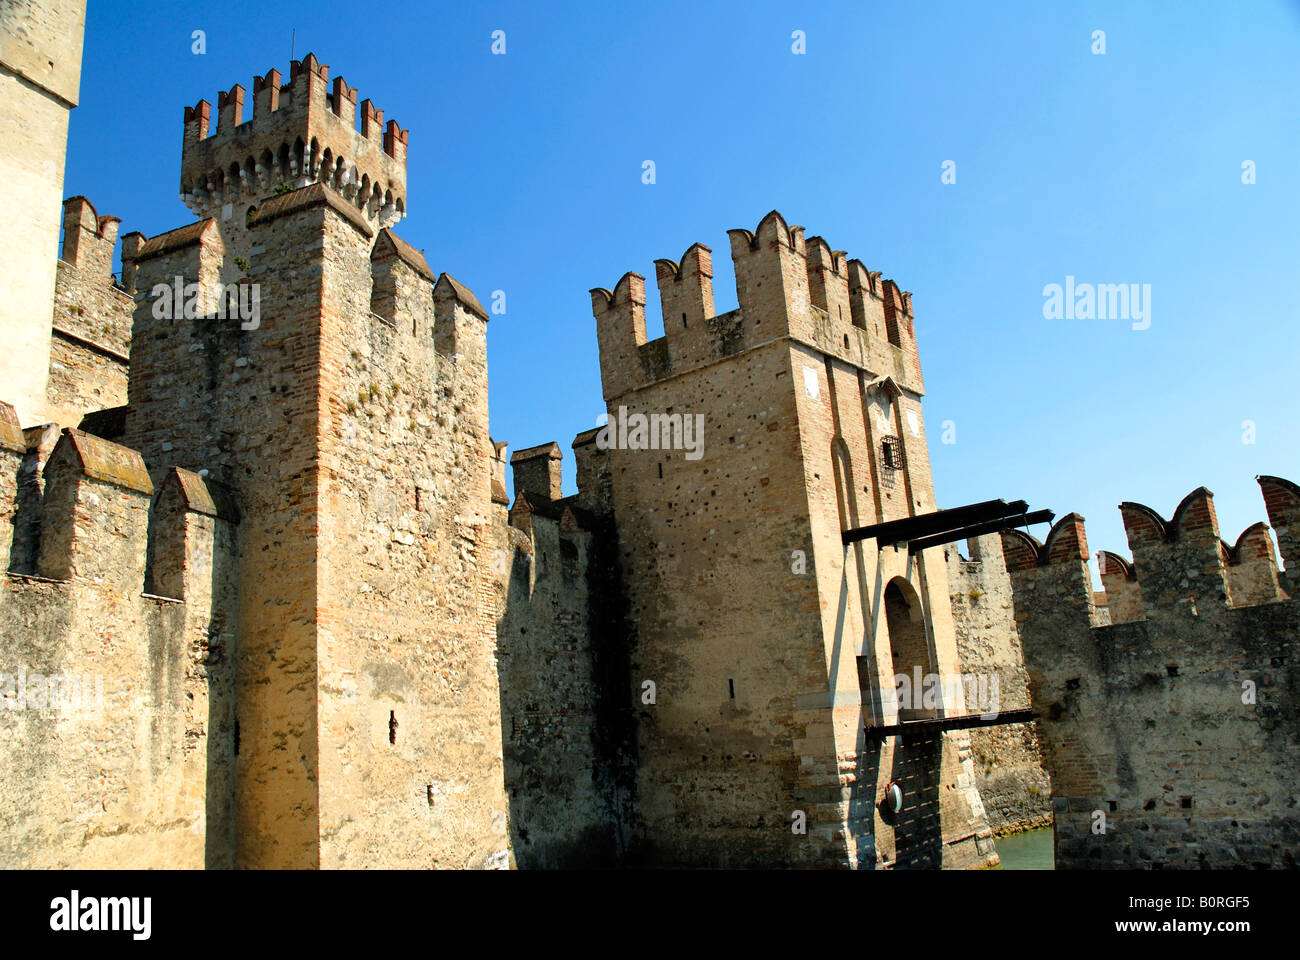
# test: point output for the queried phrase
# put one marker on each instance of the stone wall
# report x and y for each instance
(1171, 740)
(562, 677)
(410, 729)
(115, 735)
(90, 339)
(1008, 765)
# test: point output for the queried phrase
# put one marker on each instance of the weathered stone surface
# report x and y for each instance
(1173, 736)
(1006, 759)
(90, 341)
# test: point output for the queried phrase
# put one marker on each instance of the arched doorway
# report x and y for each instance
(910, 652)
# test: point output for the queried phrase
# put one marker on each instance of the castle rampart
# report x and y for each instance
(117, 701)
(1170, 733)
(90, 336)
(563, 668)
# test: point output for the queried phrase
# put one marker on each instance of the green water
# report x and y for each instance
(1031, 850)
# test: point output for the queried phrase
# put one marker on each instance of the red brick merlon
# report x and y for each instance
(1282, 501)
(1112, 564)
(686, 288)
(771, 229)
(1066, 541)
(1186, 557)
(1254, 543)
(1193, 517)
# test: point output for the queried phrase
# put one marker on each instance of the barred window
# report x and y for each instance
(891, 453)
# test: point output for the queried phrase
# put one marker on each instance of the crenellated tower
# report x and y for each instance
(298, 366)
(772, 646)
(299, 133)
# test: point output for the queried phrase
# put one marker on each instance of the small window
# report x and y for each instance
(891, 453)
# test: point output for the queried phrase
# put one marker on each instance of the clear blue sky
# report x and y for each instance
(525, 175)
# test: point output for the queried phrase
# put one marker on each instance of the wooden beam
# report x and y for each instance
(979, 529)
(940, 724)
(910, 528)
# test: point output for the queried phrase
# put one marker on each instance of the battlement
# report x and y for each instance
(786, 286)
(94, 518)
(537, 470)
(595, 485)
(193, 269)
(120, 629)
(1180, 564)
(300, 132)
(1177, 713)
(537, 482)
(88, 238)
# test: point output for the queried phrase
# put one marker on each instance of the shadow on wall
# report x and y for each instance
(223, 727)
(568, 729)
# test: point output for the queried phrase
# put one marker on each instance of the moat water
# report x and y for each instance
(1031, 850)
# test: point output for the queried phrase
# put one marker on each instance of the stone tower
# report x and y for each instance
(40, 80)
(772, 647)
(289, 346)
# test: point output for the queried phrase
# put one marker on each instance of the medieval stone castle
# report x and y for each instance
(270, 604)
